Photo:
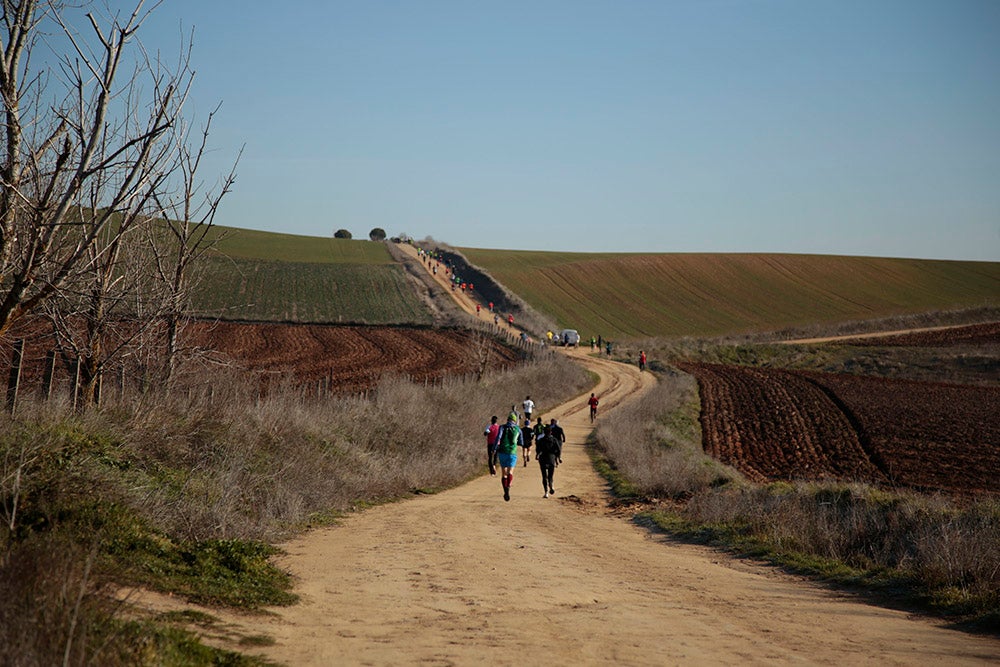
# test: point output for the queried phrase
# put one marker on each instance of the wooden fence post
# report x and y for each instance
(76, 384)
(98, 384)
(50, 374)
(15, 375)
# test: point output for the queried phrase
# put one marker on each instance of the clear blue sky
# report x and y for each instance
(861, 127)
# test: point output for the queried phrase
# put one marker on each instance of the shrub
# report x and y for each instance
(655, 442)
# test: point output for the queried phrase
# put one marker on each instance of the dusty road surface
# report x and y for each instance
(464, 578)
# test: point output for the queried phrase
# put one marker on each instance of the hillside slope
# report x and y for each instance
(254, 275)
(648, 295)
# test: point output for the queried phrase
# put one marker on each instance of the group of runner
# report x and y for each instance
(503, 441)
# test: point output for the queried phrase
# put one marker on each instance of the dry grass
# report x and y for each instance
(947, 554)
(655, 442)
(256, 467)
(42, 585)
(204, 467)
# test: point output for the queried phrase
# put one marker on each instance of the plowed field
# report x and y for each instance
(775, 424)
(352, 357)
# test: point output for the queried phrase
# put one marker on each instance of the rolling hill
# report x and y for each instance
(270, 276)
(650, 295)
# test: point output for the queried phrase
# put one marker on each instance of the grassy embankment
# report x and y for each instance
(902, 548)
(283, 277)
(637, 296)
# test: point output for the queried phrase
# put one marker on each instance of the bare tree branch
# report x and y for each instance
(102, 136)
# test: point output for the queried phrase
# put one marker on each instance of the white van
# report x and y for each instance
(569, 337)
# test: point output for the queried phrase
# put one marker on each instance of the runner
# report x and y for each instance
(528, 436)
(529, 407)
(491, 433)
(642, 360)
(558, 434)
(508, 441)
(539, 429)
(548, 451)
(592, 402)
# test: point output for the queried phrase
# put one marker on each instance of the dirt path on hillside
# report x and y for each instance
(467, 301)
(464, 578)
(871, 334)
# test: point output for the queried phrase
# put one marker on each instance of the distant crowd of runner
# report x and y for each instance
(503, 441)
(435, 261)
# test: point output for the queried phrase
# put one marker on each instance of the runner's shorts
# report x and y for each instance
(507, 460)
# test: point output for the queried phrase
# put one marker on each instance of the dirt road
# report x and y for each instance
(873, 334)
(464, 578)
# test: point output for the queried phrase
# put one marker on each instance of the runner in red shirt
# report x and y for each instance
(592, 402)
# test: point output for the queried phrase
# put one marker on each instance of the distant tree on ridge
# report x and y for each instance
(342, 234)
(377, 234)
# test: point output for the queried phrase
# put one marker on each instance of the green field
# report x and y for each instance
(252, 244)
(650, 295)
(271, 276)
(283, 277)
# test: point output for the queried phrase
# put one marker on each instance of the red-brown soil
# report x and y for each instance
(776, 424)
(924, 434)
(344, 358)
(353, 357)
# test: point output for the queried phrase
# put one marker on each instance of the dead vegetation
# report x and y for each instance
(180, 494)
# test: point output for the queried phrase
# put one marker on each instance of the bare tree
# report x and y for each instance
(187, 222)
(99, 314)
(84, 148)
